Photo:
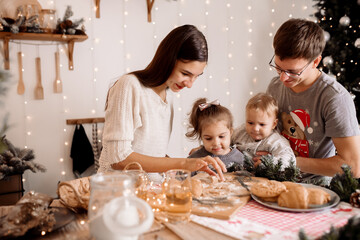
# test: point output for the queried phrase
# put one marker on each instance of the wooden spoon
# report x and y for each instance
(39, 91)
(57, 82)
(21, 86)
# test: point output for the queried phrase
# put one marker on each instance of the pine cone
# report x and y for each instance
(355, 198)
(68, 23)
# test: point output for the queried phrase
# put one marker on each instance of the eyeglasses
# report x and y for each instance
(289, 74)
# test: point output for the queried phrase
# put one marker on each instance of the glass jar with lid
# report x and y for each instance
(48, 20)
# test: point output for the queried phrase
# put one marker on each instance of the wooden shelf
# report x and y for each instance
(84, 120)
(69, 39)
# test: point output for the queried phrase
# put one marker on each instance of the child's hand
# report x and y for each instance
(201, 164)
(257, 158)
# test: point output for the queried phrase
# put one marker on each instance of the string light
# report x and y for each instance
(228, 79)
(250, 54)
(180, 102)
(229, 50)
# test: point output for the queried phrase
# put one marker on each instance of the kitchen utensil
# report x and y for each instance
(57, 82)
(21, 86)
(39, 91)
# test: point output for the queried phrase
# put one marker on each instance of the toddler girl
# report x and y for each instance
(213, 125)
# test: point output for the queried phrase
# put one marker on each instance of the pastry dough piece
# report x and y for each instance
(214, 179)
(205, 178)
(318, 196)
(295, 197)
(196, 187)
(269, 188)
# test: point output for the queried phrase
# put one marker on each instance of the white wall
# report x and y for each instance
(112, 49)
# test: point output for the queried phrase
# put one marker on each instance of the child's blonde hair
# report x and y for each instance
(210, 114)
(265, 103)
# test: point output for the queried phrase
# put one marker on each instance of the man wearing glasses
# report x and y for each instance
(312, 104)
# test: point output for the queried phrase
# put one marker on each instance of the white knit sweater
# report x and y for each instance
(136, 120)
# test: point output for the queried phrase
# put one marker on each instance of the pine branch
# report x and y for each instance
(66, 26)
(27, 154)
(234, 167)
(68, 13)
(11, 149)
(344, 184)
(351, 230)
(248, 162)
(302, 235)
(16, 161)
(292, 173)
(77, 23)
(271, 169)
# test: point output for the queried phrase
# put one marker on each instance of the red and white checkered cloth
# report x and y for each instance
(255, 221)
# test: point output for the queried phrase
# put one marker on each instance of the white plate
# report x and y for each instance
(334, 200)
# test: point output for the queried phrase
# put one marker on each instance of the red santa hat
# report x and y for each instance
(302, 119)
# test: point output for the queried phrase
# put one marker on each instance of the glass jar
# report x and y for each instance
(140, 181)
(48, 20)
(114, 212)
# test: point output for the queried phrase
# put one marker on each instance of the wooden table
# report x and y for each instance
(252, 218)
(78, 229)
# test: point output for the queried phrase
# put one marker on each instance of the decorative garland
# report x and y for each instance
(273, 170)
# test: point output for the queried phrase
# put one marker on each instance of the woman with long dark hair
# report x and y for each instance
(139, 107)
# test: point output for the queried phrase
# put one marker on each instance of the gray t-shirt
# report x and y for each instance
(314, 116)
(228, 159)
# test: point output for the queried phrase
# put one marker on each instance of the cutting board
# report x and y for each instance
(192, 230)
(231, 188)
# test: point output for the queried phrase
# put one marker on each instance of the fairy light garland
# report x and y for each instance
(178, 95)
(273, 27)
(230, 55)
(155, 38)
(250, 22)
(28, 118)
(63, 102)
(292, 9)
(94, 42)
(126, 55)
(122, 41)
(204, 29)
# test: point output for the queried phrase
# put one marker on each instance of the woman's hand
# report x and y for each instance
(117, 166)
(201, 164)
